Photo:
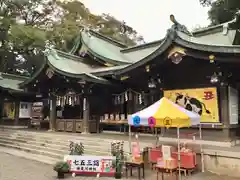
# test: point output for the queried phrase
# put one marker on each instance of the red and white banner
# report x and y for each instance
(102, 165)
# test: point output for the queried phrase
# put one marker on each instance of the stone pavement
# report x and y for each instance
(17, 168)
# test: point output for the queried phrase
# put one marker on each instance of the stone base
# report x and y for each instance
(52, 130)
(85, 132)
(214, 134)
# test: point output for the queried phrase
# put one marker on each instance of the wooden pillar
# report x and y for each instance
(86, 113)
(16, 113)
(52, 116)
(224, 112)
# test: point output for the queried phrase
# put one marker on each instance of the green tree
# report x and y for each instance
(30, 23)
(22, 34)
(221, 11)
(76, 16)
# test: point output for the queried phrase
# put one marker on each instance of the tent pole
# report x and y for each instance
(130, 139)
(201, 148)
(179, 155)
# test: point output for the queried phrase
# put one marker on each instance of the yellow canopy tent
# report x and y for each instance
(165, 113)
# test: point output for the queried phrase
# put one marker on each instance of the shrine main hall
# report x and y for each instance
(101, 81)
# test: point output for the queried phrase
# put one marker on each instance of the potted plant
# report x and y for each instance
(119, 164)
(117, 151)
(76, 148)
(61, 168)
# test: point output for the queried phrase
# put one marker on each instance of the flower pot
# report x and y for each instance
(118, 175)
(60, 175)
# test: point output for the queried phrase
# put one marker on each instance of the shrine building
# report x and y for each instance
(101, 81)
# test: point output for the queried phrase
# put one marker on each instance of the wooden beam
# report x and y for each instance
(218, 57)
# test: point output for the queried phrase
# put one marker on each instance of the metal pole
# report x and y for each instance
(201, 149)
(130, 139)
(179, 155)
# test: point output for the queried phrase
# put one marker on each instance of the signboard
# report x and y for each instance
(25, 110)
(233, 105)
(102, 165)
(166, 152)
(202, 101)
(37, 109)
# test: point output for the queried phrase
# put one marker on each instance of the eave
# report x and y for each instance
(83, 75)
(87, 76)
(10, 82)
(108, 60)
(173, 37)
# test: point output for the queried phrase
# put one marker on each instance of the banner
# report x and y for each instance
(91, 164)
(9, 110)
(203, 101)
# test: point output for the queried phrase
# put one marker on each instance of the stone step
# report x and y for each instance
(91, 142)
(145, 140)
(49, 137)
(31, 150)
(47, 152)
(97, 147)
(52, 142)
(50, 146)
(91, 137)
(27, 155)
(59, 150)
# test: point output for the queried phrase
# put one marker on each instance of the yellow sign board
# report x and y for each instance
(203, 101)
(9, 110)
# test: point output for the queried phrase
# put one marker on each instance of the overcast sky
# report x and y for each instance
(151, 17)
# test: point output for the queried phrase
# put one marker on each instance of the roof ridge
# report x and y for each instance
(202, 30)
(14, 76)
(108, 39)
(141, 46)
(62, 53)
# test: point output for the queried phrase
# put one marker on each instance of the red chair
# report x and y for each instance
(188, 159)
(154, 155)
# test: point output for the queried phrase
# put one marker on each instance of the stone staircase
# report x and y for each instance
(52, 147)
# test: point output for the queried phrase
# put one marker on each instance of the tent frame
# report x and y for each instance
(179, 153)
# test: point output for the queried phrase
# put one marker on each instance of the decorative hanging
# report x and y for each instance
(126, 96)
(140, 98)
(129, 95)
(115, 100)
(136, 98)
(211, 58)
(147, 68)
(58, 101)
(70, 98)
(49, 73)
(83, 51)
(176, 54)
(122, 99)
(118, 100)
(62, 101)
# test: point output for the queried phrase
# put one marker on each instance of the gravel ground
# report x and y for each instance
(17, 168)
